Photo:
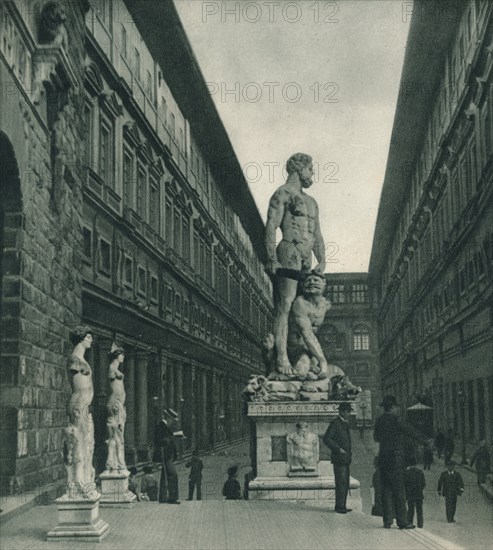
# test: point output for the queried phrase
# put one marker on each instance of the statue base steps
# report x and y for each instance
(78, 520)
(271, 423)
(114, 491)
(320, 490)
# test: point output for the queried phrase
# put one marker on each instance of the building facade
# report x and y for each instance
(432, 256)
(348, 337)
(127, 211)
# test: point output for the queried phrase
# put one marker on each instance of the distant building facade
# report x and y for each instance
(125, 209)
(348, 336)
(432, 257)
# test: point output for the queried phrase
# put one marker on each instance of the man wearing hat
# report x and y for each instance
(391, 433)
(338, 439)
(165, 444)
(450, 486)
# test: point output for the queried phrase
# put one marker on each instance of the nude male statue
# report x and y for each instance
(296, 213)
(306, 317)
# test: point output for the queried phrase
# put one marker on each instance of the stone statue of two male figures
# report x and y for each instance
(296, 351)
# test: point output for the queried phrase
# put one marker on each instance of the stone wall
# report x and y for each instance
(42, 281)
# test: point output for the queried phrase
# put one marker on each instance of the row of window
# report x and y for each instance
(139, 280)
(469, 155)
(341, 294)
(448, 298)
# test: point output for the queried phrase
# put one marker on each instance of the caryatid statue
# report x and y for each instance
(296, 214)
(116, 412)
(79, 444)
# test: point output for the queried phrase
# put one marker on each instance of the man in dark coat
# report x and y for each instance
(338, 439)
(166, 447)
(392, 433)
(450, 486)
(414, 481)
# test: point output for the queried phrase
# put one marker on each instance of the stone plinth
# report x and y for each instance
(273, 422)
(114, 490)
(78, 520)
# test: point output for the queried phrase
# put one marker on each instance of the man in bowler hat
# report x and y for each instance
(338, 439)
(391, 433)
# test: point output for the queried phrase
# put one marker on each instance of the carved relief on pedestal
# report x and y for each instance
(303, 451)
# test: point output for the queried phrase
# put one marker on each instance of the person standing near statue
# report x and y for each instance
(296, 214)
(338, 440)
(167, 454)
(391, 433)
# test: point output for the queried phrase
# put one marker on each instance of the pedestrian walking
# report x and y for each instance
(450, 486)
(338, 439)
(439, 442)
(231, 488)
(195, 478)
(166, 447)
(391, 433)
(449, 446)
(427, 456)
(482, 460)
(414, 483)
(148, 485)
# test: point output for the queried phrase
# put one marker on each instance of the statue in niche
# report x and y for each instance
(52, 25)
(303, 449)
(296, 214)
(79, 443)
(116, 413)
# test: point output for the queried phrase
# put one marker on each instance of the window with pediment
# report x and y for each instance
(128, 176)
(106, 154)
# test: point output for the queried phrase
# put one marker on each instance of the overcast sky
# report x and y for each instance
(310, 76)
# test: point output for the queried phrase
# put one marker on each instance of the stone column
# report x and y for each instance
(487, 412)
(141, 398)
(129, 372)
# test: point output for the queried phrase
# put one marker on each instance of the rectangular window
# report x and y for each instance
(106, 153)
(105, 258)
(136, 64)
(178, 305)
(87, 242)
(154, 289)
(141, 281)
(337, 294)
(149, 87)
(186, 238)
(359, 293)
(172, 126)
(168, 221)
(177, 232)
(164, 111)
(154, 203)
(124, 42)
(128, 174)
(141, 192)
(128, 271)
(88, 134)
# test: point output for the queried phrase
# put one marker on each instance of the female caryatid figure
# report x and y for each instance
(116, 412)
(79, 443)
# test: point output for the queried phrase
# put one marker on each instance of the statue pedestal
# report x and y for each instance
(114, 490)
(273, 422)
(78, 520)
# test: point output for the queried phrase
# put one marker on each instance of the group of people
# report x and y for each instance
(398, 483)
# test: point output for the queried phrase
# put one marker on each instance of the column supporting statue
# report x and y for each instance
(114, 479)
(78, 508)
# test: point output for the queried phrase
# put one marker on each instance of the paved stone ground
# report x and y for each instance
(217, 524)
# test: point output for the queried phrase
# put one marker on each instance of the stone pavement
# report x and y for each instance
(217, 524)
(225, 525)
